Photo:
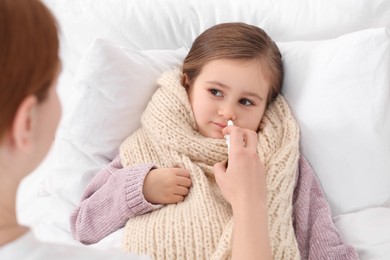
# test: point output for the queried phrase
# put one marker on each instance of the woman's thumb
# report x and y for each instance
(219, 168)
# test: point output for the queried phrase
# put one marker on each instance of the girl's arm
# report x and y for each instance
(317, 236)
(243, 184)
(110, 199)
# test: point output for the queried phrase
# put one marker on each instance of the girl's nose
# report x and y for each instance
(227, 111)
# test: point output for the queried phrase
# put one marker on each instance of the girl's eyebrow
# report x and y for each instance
(246, 93)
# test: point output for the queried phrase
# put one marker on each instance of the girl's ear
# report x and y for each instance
(185, 82)
(21, 132)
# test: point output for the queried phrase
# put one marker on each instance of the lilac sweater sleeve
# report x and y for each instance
(112, 197)
(316, 233)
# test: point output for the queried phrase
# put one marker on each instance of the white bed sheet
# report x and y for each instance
(368, 230)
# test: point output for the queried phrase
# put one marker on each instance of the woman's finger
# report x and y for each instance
(250, 139)
(236, 137)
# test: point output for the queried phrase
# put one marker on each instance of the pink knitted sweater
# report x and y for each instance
(115, 194)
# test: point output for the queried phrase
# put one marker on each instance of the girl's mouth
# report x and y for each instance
(220, 125)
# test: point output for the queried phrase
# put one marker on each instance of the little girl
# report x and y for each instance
(232, 72)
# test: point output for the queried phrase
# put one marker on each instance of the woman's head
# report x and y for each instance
(29, 59)
(232, 71)
(29, 66)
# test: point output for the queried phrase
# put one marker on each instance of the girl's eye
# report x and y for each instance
(246, 102)
(215, 92)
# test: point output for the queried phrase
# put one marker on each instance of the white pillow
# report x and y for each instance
(338, 90)
(115, 84)
(172, 24)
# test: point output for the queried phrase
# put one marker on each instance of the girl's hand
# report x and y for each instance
(244, 180)
(166, 185)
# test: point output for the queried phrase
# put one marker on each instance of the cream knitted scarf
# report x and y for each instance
(201, 226)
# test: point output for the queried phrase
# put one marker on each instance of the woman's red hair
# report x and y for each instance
(28, 55)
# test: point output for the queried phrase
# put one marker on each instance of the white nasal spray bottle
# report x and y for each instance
(227, 137)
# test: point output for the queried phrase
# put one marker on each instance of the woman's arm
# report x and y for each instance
(243, 184)
(316, 233)
(110, 199)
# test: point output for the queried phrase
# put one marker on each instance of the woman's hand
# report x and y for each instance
(243, 184)
(166, 185)
(244, 179)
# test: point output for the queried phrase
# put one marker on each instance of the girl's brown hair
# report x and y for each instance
(28, 55)
(235, 41)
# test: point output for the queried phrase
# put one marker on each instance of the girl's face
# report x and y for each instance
(229, 89)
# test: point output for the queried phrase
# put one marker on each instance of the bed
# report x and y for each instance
(337, 81)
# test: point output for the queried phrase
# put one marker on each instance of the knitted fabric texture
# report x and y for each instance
(201, 226)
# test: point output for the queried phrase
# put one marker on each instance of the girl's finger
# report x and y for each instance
(184, 181)
(180, 190)
(176, 198)
(183, 172)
